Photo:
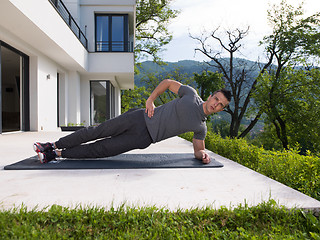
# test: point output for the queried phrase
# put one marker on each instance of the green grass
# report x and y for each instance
(265, 221)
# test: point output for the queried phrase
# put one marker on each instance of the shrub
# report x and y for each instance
(287, 166)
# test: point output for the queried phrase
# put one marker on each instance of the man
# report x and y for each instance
(138, 128)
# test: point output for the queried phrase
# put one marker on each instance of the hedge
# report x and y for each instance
(288, 167)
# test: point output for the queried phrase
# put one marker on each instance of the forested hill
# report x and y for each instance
(189, 67)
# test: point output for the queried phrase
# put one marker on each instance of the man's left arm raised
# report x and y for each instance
(172, 85)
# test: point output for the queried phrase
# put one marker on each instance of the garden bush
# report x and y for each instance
(288, 166)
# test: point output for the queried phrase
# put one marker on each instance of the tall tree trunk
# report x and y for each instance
(281, 131)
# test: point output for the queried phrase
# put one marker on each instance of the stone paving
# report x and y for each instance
(170, 188)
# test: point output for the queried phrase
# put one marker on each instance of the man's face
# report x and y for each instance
(216, 103)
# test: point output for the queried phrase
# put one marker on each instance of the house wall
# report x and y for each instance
(50, 34)
(118, 68)
(37, 30)
(43, 93)
(47, 94)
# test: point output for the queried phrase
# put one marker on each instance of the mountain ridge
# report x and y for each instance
(190, 67)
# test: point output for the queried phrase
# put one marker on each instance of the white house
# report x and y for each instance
(64, 61)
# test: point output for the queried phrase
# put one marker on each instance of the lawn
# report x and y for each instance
(265, 221)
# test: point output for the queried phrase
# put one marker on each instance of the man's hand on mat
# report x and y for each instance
(150, 108)
(205, 158)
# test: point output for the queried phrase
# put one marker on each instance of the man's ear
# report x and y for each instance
(209, 97)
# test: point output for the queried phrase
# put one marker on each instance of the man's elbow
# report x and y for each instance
(174, 86)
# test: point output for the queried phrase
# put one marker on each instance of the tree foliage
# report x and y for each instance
(152, 19)
(152, 80)
(135, 98)
(296, 101)
(294, 41)
(294, 37)
(208, 82)
(287, 94)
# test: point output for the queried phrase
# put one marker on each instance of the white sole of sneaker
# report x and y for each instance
(40, 157)
(36, 148)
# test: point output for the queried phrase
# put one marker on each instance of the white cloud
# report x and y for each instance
(199, 15)
(212, 13)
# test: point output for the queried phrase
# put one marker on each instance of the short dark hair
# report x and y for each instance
(225, 92)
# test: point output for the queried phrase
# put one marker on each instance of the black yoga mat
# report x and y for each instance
(122, 161)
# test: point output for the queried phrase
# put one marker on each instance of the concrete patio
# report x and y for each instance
(170, 188)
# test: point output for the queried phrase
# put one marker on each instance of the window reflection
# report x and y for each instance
(98, 102)
(112, 33)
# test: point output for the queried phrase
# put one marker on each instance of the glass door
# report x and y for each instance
(11, 90)
(102, 101)
(14, 81)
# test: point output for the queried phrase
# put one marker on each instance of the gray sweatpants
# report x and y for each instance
(118, 135)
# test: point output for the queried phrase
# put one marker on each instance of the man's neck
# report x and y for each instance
(204, 105)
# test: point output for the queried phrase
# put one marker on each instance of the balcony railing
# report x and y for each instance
(114, 46)
(66, 16)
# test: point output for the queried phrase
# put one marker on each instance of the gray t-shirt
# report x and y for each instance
(184, 114)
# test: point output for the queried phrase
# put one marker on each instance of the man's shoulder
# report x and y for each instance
(187, 90)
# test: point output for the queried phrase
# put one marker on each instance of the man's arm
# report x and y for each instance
(172, 85)
(199, 150)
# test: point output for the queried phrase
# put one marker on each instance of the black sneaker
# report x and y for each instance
(42, 147)
(47, 156)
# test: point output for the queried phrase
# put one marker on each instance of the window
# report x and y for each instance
(102, 105)
(112, 34)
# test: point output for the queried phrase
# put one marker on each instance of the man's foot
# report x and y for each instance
(47, 156)
(42, 147)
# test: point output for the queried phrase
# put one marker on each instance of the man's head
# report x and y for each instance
(217, 101)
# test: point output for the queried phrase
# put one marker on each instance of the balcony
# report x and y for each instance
(66, 16)
(114, 46)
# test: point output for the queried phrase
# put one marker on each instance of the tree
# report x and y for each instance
(294, 38)
(293, 41)
(236, 73)
(221, 128)
(295, 100)
(153, 79)
(208, 82)
(152, 19)
(135, 98)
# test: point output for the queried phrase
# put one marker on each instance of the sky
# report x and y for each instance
(197, 16)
